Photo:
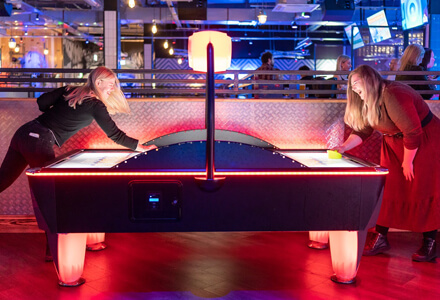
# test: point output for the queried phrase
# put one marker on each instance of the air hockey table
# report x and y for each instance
(263, 189)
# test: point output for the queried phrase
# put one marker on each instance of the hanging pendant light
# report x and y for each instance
(154, 28)
(262, 17)
(131, 3)
(165, 44)
(12, 43)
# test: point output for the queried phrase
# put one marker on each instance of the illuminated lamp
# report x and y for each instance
(262, 17)
(17, 49)
(131, 3)
(95, 241)
(165, 44)
(209, 51)
(154, 28)
(12, 43)
(344, 253)
(171, 51)
(197, 53)
(71, 254)
(46, 51)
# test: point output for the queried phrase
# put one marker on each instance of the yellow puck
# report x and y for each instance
(333, 154)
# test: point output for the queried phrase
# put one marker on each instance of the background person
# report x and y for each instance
(410, 61)
(343, 63)
(410, 151)
(394, 66)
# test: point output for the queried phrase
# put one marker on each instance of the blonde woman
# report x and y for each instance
(343, 63)
(65, 111)
(410, 61)
(410, 151)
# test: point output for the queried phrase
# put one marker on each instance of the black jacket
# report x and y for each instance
(65, 121)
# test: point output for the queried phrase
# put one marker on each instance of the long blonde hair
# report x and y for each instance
(361, 113)
(341, 59)
(116, 101)
(412, 56)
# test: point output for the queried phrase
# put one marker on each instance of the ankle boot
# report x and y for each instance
(427, 252)
(376, 243)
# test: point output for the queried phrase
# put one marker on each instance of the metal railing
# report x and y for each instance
(188, 83)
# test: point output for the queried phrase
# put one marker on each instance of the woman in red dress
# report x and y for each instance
(410, 151)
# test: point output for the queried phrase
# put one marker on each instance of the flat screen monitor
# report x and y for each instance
(379, 27)
(414, 13)
(354, 36)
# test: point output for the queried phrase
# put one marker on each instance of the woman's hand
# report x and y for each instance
(142, 148)
(408, 170)
(407, 164)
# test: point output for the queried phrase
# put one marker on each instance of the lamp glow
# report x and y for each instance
(154, 28)
(197, 54)
(262, 17)
(12, 43)
(46, 51)
(131, 3)
(17, 49)
(171, 51)
(179, 60)
(165, 44)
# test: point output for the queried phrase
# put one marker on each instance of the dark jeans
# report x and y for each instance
(32, 144)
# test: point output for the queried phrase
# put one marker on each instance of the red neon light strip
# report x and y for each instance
(242, 173)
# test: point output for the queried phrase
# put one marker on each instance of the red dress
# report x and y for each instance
(410, 205)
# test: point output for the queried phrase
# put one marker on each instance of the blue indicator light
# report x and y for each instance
(153, 200)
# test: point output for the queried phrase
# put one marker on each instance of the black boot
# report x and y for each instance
(427, 252)
(376, 243)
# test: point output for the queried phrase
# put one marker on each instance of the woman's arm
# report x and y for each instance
(352, 141)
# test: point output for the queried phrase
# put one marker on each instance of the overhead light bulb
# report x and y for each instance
(17, 49)
(46, 51)
(171, 51)
(131, 3)
(154, 28)
(179, 60)
(165, 44)
(12, 43)
(262, 17)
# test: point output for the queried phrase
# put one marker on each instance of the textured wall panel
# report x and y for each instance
(286, 124)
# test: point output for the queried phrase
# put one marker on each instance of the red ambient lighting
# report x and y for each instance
(225, 173)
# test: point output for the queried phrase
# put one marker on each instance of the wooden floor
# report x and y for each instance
(236, 265)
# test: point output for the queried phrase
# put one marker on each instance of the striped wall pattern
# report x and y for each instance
(238, 64)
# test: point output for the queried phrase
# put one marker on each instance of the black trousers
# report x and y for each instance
(31, 145)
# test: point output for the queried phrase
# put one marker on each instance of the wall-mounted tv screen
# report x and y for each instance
(354, 36)
(414, 13)
(379, 27)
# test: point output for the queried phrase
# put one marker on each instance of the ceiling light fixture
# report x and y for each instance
(12, 43)
(131, 3)
(262, 17)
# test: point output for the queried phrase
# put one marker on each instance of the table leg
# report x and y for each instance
(96, 241)
(68, 251)
(345, 254)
